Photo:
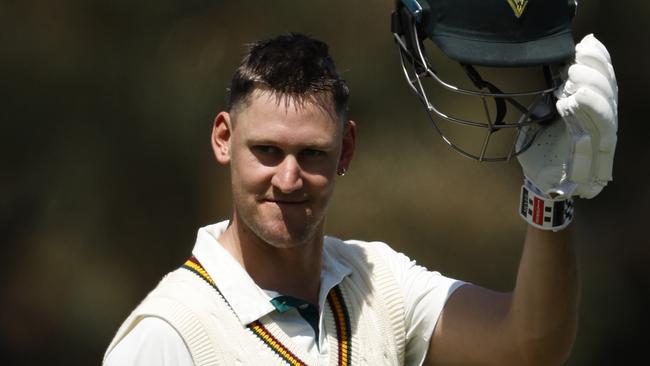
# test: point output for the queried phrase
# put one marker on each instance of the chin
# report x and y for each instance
(279, 232)
(279, 235)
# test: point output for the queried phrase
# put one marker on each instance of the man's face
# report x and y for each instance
(284, 157)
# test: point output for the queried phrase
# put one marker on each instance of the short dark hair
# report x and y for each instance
(293, 65)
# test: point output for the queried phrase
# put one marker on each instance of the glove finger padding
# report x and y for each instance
(574, 156)
(599, 63)
(590, 45)
(582, 76)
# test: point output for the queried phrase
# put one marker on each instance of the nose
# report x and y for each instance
(287, 177)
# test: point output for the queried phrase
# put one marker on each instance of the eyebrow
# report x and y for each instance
(317, 145)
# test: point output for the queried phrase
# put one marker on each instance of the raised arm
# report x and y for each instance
(536, 323)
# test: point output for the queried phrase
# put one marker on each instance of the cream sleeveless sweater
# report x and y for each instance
(372, 302)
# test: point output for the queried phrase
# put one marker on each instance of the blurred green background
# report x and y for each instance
(107, 172)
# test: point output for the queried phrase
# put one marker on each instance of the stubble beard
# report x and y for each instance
(278, 231)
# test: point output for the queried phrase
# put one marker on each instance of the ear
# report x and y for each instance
(221, 134)
(349, 144)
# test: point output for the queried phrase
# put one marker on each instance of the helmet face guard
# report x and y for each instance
(518, 114)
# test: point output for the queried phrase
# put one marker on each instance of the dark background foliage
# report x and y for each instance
(107, 172)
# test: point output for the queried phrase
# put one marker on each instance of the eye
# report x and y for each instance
(268, 155)
(313, 153)
(265, 149)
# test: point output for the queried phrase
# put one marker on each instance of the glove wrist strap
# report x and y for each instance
(544, 212)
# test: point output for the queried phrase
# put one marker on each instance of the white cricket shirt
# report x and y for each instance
(154, 342)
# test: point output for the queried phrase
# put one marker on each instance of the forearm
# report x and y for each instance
(533, 325)
(544, 308)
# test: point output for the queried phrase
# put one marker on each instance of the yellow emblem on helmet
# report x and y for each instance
(518, 6)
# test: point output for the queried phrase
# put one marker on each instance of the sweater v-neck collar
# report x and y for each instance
(273, 336)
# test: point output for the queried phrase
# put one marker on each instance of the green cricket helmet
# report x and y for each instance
(482, 34)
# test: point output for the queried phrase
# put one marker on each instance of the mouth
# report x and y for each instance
(285, 201)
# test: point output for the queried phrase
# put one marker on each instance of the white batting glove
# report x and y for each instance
(574, 156)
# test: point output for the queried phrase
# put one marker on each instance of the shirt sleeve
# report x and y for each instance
(425, 294)
(152, 342)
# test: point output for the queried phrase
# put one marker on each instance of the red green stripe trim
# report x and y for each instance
(342, 320)
(336, 302)
(262, 333)
(195, 266)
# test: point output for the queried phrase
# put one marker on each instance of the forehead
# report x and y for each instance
(261, 94)
(269, 115)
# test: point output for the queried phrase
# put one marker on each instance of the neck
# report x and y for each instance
(291, 271)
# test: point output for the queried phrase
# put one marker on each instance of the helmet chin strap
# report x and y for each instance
(500, 102)
(478, 81)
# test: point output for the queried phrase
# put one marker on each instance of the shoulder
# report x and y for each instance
(420, 286)
(152, 341)
(369, 251)
(160, 318)
(358, 247)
